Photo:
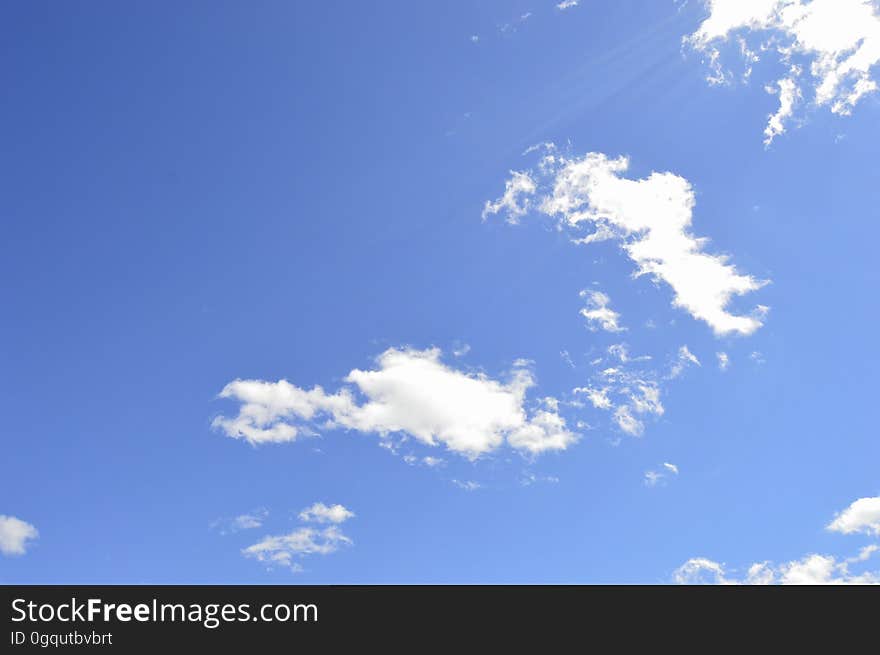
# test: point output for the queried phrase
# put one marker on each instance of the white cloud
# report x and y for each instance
(628, 423)
(410, 392)
(290, 549)
(567, 4)
(598, 313)
(789, 95)
(546, 431)
(519, 184)
(838, 41)
(598, 397)
(621, 352)
(862, 516)
(467, 485)
(651, 217)
(321, 513)
(15, 535)
(628, 392)
(684, 359)
(723, 360)
(810, 570)
(287, 550)
(699, 570)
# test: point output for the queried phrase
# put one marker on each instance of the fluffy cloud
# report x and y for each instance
(723, 360)
(567, 4)
(321, 513)
(15, 535)
(651, 217)
(862, 516)
(598, 313)
(834, 44)
(411, 392)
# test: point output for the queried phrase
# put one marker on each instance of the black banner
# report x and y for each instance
(132, 619)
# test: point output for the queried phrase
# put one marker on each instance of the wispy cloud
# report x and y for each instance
(660, 475)
(247, 521)
(289, 550)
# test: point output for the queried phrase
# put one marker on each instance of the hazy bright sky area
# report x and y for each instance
(508, 291)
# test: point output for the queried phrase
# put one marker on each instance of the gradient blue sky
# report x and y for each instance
(199, 192)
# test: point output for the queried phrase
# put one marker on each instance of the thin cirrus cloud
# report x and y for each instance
(411, 392)
(651, 218)
(15, 535)
(862, 516)
(829, 49)
(288, 550)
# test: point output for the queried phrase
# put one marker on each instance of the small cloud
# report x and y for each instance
(567, 4)
(684, 359)
(287, 550)
(321, 513)
(530, 478)
(15, 535)
(660, 475)
(475, 38)
(598, 313)
(467, 485)
(757, 357)
(862, 516)
(723, 360)
(247, 521)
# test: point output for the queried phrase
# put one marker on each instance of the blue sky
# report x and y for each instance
(203, 193)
